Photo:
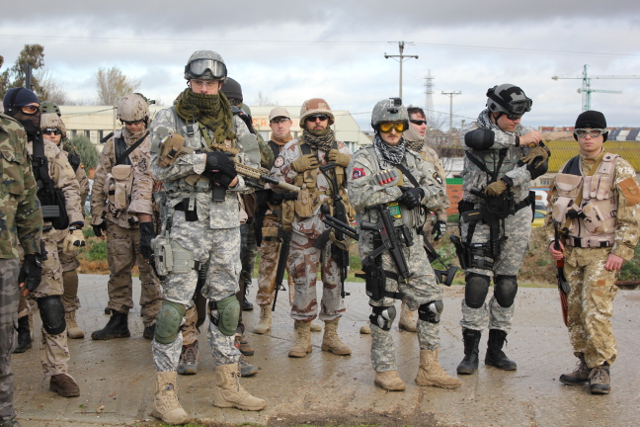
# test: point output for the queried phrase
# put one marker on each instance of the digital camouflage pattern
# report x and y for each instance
(9, 297)
(428, 154)
(422, 287)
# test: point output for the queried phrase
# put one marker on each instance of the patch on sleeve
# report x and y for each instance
(278, 162)
(357, 173)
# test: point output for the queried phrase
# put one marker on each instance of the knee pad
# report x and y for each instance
(505, 290)
(383, 317)
(228, 315)
(52, 314)
(168, 321)
(476, 290)
(431, 311)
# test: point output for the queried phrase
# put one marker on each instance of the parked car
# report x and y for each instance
(538, 218)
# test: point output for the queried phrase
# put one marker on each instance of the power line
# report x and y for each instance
(401, 60)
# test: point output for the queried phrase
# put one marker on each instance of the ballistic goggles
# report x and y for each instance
(387, 127)
(199, 67)
(593, 133)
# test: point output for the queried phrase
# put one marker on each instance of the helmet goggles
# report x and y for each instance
(199, 67)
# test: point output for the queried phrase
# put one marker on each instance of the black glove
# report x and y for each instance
(411, 196)
(219, 178)
(98, 229)
(439, 230)
(31, 272)
(218, 161)
(147, 233)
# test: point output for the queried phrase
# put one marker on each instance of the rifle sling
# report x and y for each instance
(129, 150)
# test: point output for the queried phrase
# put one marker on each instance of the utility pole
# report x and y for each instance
(451, 95)
(401, 60)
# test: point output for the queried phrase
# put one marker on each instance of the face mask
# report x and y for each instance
(30, 122)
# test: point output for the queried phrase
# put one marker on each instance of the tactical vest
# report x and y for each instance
(119, 182)
(52, 199)
(594, 221)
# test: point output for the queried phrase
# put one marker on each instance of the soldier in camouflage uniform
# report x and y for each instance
(63, 225)
(53, 129)
(595, 246)
(121, 206)
(189, 141)
(502, 159)
(413, 189)
(20, 224)
(298, 164)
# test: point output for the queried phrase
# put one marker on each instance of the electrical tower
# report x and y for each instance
(586, 85)
(428, 102)
(401, 60)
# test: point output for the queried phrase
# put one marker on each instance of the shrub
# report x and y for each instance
(88, 152)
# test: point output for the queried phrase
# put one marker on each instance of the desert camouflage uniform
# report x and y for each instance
(517, 227)
(303, 256)
(123, 232)
(20, 223)
(214, 239)
(590, 301)
(422, 287)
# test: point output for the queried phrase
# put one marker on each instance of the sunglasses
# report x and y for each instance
(279, 120)
(387, 127)
(49, 131)
(135, 122)
(593, 133)
(30, 109)
(235, 102)
(419, 122)
(315, 117)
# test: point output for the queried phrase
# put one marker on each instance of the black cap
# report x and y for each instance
(232, 89)
(591, 119)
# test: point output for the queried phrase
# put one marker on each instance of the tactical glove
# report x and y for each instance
(411, 196)
(439, 230)
(539, 153)
(495, 188)
(219, 178)
(305, 163)
(147, 233)
(99, 228)
(217, 161)
(31, 272)
(73, 240)
(339, 158)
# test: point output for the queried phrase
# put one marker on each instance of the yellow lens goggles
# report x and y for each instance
(386, 127)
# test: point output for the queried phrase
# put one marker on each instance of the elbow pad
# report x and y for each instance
(480, 139)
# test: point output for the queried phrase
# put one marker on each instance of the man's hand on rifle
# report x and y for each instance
(147, 233)
(305, 163)
(439, 230)
(411, 196)
(496, 188)
(339, 158)
(220, 169)
(556, 254)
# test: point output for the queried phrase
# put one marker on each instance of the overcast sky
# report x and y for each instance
(294, 50)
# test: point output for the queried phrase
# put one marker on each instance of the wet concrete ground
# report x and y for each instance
(116, 377)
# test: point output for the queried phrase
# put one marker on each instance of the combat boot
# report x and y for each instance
(579, 375)
(246, 369)
(430, 373)
(228, 393)
(495, 356)
(302, 347)
(188, 364)
(149, 332)
(389, 381)
(117, 327)
(265, 320)
(24, 335)
(365, 329)
(243, 344)
(315, 326)
(600, 379)
(166, 405)
(331, 341)
(73, 330)
(469, 364)
(64, 385)
(407, 321)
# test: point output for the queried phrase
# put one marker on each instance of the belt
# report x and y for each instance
(578, 242)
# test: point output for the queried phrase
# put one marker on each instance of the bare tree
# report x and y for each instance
(264, 101)
(54, 91)
(113, 84)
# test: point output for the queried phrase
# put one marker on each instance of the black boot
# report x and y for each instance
(495, 355)
(118, 327)
(246, 305)
(471, 339)
(24, 335)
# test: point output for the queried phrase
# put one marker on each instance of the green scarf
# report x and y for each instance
(212, 111)
(319, 142)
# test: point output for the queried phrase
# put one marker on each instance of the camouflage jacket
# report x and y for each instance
(177, 177)
(366, 192)
(83, 182)
(474, 177)
(429, 154)
(141, 188)
(20, 214)
(64, 178)
(627, 198)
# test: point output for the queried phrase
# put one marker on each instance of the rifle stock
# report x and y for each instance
(282, 266)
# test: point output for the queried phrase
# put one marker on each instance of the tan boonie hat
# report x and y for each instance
(279, 112)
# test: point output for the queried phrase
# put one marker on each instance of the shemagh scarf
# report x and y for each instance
(212, 111)
(322, 142)
(388, 153)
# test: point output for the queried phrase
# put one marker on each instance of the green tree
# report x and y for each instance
(112, 84)
(88, 153)
(16, 76)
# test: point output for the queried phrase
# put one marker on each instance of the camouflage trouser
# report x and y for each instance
(248, 254)
(518, 231)
(220, 249)
(69, 264)
(9, 297)
(303, 265)
(123, 252)
(590, 304)
(269, 253)
(421, 288)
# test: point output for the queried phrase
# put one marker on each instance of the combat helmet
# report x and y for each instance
(48, 107)
(315, 106)
(205, 65)
(508, 99)
(51, 120)
(131, 108)
(389, 110)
